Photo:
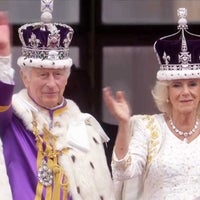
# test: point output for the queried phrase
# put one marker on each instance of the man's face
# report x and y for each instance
(45, 86)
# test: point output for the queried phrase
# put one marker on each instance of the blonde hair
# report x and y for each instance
(160, 96)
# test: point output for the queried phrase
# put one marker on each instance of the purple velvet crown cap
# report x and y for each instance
(179, 54)
(45, 44)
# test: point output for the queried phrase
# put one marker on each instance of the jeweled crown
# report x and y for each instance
(45, 44)
(179, 54)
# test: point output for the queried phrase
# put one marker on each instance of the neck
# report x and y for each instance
(186, 130)
(184, 120)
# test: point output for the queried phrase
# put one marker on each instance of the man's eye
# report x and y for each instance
(58, 74)
(43, 74)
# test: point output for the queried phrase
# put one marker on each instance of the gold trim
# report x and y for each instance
(154, 137)
(60, 111)
(4, 108)
(47, 151)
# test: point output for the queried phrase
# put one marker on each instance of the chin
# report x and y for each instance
(187, 111)
(50, 105)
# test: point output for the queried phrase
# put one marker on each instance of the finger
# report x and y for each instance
(107, 95)
(109, 100)
(3, 18)
(120, 96)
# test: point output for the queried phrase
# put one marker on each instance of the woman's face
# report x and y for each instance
(184, 95)
(46, 86)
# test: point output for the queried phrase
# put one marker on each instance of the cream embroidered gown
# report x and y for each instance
(173, 166)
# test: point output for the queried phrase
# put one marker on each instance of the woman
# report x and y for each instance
(163, 150)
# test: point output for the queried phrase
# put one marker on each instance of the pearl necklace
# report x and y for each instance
(183, 133)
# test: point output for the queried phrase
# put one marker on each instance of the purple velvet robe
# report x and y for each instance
(20, 150)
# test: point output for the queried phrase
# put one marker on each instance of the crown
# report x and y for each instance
(45, 44)
(179, 54)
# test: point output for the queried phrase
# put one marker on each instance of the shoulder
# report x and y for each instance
(73, 109)
(147, 124)
(149, 127)
(87, 118)
(71, 104)
(91, 121)
(147, 119)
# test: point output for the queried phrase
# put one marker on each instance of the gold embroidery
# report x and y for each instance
(4, 108)
(54, 179)
(127, 163)
(60, 111)
(154, 136)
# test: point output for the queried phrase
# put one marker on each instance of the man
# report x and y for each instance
(52, 151)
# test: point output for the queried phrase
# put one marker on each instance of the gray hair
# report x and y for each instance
(27, 71)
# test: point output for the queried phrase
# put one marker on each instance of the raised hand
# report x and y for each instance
(5, 46)
(117, 105)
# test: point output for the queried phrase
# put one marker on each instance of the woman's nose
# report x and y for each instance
(185, 89)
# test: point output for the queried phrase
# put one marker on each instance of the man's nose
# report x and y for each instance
(51, 80)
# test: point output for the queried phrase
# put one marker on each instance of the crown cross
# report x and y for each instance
(184, 57)
(182, 22)
(166, 58)
(47, 6)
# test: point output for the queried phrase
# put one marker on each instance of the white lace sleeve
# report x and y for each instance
(6, 71)
(134, 162)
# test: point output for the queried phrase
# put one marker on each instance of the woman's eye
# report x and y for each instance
(176, 85)
(192, 84)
